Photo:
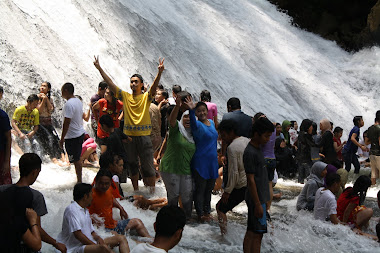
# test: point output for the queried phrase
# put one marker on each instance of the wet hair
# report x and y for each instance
(205, 96)
(103, 173)
(234, 103)
(199, 104)
(169, 220)
(69, 87)
(278, 124)
(332, 178)
(261, 126)
(292, 123)
(377, 116)
(365, 133)
(164, 93)
(356, 120)
(1, 89)
(32, 98)
(169, 110)
(49, 91)
(102, 85)
(113, 102)
(331, 124)
(106, 120)
(183, 95)
(80, 190)
(79, 97)
(315, 128)
(257, 116)
(176, 88)
(139, 77)
(227, 126)
(338, 130)
(305, 125)
(360, 188)
(28, 163)
(160, 87)
(105, 160)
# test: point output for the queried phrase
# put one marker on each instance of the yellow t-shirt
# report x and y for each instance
(26, 120)
(136, 113)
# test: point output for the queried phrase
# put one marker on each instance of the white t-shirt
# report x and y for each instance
(147, 248)
(325, 204)
(73, 109)
(75, 218)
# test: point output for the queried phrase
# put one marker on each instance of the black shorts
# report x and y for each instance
(254, 224)
(103, 141)
(236, 197)
(74, 148)
(270, 164)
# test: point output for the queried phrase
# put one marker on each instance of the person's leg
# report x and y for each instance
(97, 249)
(355, 162)
(172, 182)
(252, 242)
(374, 170)
(145, 153)
(118, 240)
(138, 225)
(131, 163)
(199, 189)
(210, 183)
(186, 193)
(269, 203)
(347, 160)
(363, 217)
(301, 176)
(78, 169)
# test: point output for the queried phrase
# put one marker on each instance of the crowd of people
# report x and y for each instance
(147, 134)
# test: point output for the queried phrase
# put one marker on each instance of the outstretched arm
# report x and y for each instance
(161, 68)
(106, 78)
(193, 121)
(174, 113)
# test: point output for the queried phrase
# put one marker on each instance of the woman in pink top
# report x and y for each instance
(212, 109)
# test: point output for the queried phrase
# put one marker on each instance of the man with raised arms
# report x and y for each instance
(137, 124)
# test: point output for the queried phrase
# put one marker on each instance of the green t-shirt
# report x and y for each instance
(178, 154)
(373, 135)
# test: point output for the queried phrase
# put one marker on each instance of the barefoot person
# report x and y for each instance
(78, 234)
(72, 130)
(235, 180)
(257, 185)
(137, 124)
(205, 159)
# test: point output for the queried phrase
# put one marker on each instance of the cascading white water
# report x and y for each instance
(243, 48)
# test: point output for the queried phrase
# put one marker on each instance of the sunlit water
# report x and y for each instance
(242, 48)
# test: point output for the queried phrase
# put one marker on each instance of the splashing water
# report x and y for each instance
(243, 48)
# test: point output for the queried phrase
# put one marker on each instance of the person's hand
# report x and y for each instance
(22, 136)
(161, 66)
(225, 197)
(96, 62)
(189, 102)
(344, 143)
(30, 135)
(100, 241)
(258, 212)
(123, 214)
(60, 246)
(178, 101)
(364, 148)
(42, 95)
(61, 141)
(31, 216)
(164, 102)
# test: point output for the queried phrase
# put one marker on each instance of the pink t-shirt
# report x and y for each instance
(212, 110)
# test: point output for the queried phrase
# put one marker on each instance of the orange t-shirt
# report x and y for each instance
(107, 108)
(101, 205)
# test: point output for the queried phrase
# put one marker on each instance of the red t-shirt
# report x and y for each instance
(106, 107)
(343, 201)
(339, 153)
(102, 203)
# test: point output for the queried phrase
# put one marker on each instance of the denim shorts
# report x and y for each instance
(120, 227)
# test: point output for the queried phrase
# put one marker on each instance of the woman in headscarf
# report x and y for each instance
(305, 142)
(327, 142)
(285, 131)
(175, 165)
(314, 182)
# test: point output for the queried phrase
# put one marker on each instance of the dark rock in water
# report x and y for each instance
(353, 24)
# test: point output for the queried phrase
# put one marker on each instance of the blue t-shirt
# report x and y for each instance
(243, 121)
(205, 158)
(350, 146)
(4, 127)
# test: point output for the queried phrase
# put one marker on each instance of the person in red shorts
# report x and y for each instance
(350, 204)
(103, 202)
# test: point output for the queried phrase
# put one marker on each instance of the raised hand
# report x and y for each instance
(189, 102)
(96, 62)
(161, 66)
